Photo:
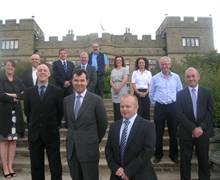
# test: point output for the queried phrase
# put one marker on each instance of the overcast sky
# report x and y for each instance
(89, 16)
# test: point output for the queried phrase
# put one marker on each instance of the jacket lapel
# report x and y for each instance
(117, 136)
(84, 104)
(133, 131)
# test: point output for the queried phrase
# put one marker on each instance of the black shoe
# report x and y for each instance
(156, 160)
(175, 160)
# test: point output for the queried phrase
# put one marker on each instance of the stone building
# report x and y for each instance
(175, 37)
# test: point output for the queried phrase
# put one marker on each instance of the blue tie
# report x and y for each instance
(77, 106)
(194, 101)
(65, 66)
(42, 91)
(124, 140)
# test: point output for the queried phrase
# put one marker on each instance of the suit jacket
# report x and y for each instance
(43, 116)
(92, 77)
(139, 150)
(86, 132)
(187, 121)
(27, 78)
(60, 75)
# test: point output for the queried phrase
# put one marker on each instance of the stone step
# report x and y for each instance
(166, 163)
(24, 141)
(105, 174)
(22, 164)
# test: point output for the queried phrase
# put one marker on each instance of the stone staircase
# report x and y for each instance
(22, 161)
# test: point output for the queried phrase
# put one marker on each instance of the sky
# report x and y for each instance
(143, 17)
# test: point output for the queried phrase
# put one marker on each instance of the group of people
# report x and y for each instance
(76, 98)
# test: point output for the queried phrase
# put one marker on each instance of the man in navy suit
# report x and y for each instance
(30, 75)
(91, 71)
(62, 72)
(194, 112)
(131, 144)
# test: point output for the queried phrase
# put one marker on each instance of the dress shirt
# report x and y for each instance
(85, 66)
(82, 97)
(163, 90)
(141, 79)
(132, 119)
(34, 75)
(39, 87)
(62, 61)
(94, 60)
(196, 88)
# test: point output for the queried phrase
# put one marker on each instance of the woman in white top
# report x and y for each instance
(140, 80)
(118, 81)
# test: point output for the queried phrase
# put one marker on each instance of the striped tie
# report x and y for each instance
(77, 106)
(124, 140)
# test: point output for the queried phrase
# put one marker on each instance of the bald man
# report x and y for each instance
(130, 144)
(30, 75)
(194, 112)
(43, 108)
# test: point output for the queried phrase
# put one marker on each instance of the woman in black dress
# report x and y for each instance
(11, 118)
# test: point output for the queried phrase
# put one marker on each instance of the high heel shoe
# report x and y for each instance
(7, 175)
(13, 174)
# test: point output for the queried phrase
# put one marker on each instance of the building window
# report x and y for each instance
(9, 44)
(190, 42)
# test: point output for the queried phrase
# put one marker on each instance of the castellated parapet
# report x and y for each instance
(168, 40)
(187, 22)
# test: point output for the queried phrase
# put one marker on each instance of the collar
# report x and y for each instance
(82, 94)
(41, 84)
(131, 119)
(162, 75)
(141, 72)
(34, 69)
(63, 60)
(196, 88)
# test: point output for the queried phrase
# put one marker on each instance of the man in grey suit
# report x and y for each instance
(92, 76)
(86, 122)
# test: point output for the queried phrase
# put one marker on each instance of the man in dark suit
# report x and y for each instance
(90, 71)
(130, 144)
(30, 77)
(100, 62)
(194, 111)
(86, 120)
(62, 72)
(44, 109)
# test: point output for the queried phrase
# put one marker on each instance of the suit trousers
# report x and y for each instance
(83, 170)
(36, 149)
(186, 151)
(163, 113)
(100, 85)
(117, 113)
(144, 105)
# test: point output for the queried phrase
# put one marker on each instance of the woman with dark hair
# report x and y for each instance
(140, 80)
(118, 81)
(11, 117)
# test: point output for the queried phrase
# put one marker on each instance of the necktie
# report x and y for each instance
(83, 67)
(194, 101)
(124, 140)
(42, 91)
(77, 106)
(65, 66)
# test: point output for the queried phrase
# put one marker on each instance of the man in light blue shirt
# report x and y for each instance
(163, 89)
